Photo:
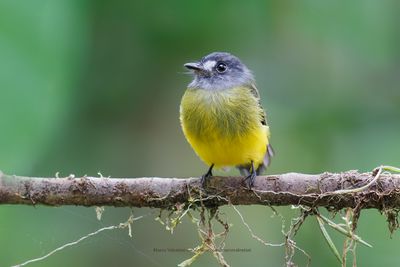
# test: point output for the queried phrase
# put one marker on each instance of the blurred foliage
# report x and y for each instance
(95, 86)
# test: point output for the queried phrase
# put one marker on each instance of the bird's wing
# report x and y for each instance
(255, 92)
(270, 151)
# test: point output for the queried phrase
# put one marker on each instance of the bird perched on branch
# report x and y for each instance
(222, 117)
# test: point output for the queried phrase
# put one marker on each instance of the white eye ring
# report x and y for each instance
(221, 67)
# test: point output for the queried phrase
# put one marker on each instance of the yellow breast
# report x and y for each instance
(224, 126)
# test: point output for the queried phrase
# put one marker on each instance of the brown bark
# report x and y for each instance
(278, 190)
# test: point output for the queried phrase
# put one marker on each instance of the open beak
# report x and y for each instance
(194, 66)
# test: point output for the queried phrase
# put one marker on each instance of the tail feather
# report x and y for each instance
(268, 156)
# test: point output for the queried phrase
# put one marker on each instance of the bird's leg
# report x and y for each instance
(252, 176)
(206, 175)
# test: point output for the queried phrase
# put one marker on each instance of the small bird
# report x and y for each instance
(222, 117)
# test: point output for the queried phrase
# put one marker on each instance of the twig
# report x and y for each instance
(126, 224)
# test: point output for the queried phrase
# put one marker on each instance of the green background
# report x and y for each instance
(95, 86)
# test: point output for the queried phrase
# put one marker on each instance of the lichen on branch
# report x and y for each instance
(331, 190)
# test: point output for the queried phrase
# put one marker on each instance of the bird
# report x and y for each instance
(222, 117)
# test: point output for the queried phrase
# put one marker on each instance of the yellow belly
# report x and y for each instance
(224, 127)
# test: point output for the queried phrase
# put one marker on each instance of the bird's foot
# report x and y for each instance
(204, 177)
(251, 177)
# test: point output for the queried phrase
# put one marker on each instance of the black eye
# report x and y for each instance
(221, 67)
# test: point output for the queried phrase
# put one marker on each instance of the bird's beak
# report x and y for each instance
(194, 66)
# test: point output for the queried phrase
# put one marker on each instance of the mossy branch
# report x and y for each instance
(331, 190)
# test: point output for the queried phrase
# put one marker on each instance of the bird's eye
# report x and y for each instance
(221, 67)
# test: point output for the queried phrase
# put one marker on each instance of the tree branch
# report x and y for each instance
(282, 189)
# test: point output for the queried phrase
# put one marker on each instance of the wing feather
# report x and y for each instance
(255, 92)
(270, 151)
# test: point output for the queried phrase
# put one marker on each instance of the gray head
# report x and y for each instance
(219, 71)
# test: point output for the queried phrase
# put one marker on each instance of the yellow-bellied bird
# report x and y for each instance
(222, 118)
